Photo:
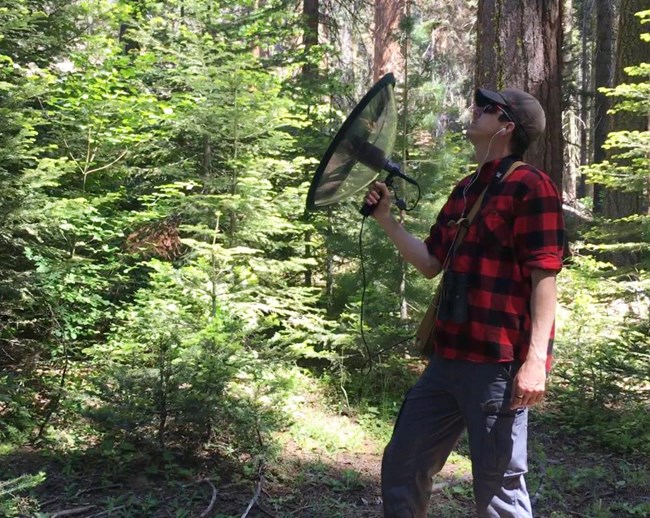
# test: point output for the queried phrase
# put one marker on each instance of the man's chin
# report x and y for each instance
(470, 134)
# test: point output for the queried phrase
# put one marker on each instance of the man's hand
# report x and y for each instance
(379, 197)
(529, 384)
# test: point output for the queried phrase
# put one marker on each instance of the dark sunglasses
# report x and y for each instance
(495, 108)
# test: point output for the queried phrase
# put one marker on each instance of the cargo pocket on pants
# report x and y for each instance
(504, 445)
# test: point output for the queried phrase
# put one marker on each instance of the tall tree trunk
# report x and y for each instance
(571, 126)
(387, 55)
(310, 37)
(586, 85)
(234, 183)
(631, 50)
(329, 279)
(603, 75)
(519, 44)
(403, 305)
(309, 74)
(257, 50)
(329, 262)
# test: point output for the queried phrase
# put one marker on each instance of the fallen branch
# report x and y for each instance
(107, 513)
(210, 507)
(437, 488)
(303, 508)
(50, 502)
(258, 490)
(592, 496)
(72, 512)
(98, 488)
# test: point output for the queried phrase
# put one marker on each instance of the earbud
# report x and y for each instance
(500, 131)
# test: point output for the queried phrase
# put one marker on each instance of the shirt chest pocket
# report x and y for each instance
(495, 229)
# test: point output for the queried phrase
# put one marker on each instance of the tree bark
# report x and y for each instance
(571, 126)
(586, 98)
(329, 262)
(403, 303)
(631, 50)
(519, 44)
(310, 38)
(310, 10)
(603, 75)
(257, 50)
(387, 55)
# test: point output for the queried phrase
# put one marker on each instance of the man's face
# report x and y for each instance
(485, 122)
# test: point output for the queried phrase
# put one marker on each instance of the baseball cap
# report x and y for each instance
(525, 111)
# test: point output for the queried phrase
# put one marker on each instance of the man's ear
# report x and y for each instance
(510, 127)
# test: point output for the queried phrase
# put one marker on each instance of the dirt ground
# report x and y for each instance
(314, 476)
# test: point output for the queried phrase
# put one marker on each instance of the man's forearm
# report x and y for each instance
(412, 249)
(530, 381)
(542, 306)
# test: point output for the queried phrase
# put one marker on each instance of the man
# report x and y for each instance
(494, 327)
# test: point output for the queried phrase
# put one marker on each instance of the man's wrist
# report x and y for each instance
(535, 356)
(385, 220)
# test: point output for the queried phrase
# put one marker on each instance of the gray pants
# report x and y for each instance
(452, 395)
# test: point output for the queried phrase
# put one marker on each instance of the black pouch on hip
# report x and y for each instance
(454, 306)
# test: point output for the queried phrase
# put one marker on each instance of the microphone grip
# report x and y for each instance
(367, 209)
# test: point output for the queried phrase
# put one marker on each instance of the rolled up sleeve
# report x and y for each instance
(434, 242)
(539, 229)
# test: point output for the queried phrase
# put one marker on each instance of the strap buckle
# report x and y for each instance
(461, 222)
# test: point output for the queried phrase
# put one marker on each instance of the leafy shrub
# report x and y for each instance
(602, 375)
(11, 504)
(164, 370)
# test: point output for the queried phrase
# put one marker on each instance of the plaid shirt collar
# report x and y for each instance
(494, 170)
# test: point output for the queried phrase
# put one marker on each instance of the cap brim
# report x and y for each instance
(484, 97)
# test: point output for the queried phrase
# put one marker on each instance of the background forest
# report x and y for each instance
(179, 338)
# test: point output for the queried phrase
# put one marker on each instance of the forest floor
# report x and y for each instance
(327, 465)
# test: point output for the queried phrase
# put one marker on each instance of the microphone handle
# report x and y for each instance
(367, 209)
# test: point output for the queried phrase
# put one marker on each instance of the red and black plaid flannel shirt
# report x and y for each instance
(518, 229)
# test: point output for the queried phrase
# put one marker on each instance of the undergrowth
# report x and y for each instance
(315, 441)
